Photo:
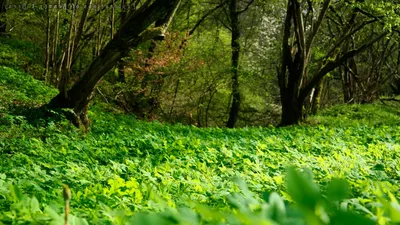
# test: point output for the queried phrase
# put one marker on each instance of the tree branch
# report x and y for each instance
(299, 27)
(286, 54)
(246, 8)
(334, 64)
(205, 16)
(345, 37)
(316, 26)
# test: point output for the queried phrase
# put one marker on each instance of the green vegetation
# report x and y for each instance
(21, 54)
(124, 167)
(116, 115)
(23, 88)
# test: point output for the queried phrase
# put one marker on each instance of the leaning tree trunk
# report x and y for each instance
(234, 111)
(130, 35)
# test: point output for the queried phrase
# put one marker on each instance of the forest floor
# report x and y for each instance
(122, 165)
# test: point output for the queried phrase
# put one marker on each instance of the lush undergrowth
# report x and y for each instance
(123, 166)
(23, 55)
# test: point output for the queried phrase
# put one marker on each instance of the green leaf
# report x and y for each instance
(53, 214)
(348, 218)
(338, 189)
(77, 221)
(16, 193)
(35, 205)
(395, 212)
(278, 210)
(303, 191)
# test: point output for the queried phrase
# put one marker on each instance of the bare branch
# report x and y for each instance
(246, 8)
(201, 20)
(316, 26)
(345, 37)
(334, 64)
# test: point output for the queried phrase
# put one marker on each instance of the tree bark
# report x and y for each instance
(3, 23)
(348, 82)
(292, 110)
(235, 45)
(121, 63)
(65, 63)
(53, 75)
(48, 54)
(112, 20)
(130, 35)
(316, 100)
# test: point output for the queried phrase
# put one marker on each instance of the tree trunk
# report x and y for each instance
(347, 86)
(294, 81)
(65, 65)
(235, 45)
(121, 63)
(347, 74)
(53, 75)
(112, 20)
(316, 100)
(48, 54)
(292, 110)
(3, 23)
(129, 36)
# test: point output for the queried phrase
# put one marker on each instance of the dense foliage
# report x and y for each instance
(153, 83)
(123, 167)
(188, 75)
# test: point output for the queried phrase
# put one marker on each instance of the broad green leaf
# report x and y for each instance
(35, 205)
(303, 191)
(338, 189)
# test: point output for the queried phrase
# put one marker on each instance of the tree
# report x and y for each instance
(3, 24)
(234, 13)
(300, 32)
(132, 33)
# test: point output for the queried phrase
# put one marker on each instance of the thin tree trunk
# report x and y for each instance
(121, 63)
(112, 19)
(48, 30)
(348, 71)
(174, 99)
(53, 79)
(212, 93)
(235, 45)
(3, 23)
(66, 63)
(347, 84)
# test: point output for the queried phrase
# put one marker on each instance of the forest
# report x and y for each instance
(200, 112)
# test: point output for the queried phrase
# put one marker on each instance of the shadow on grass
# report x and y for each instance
(34, 115)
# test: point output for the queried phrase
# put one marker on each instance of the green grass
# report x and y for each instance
(123, 166)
